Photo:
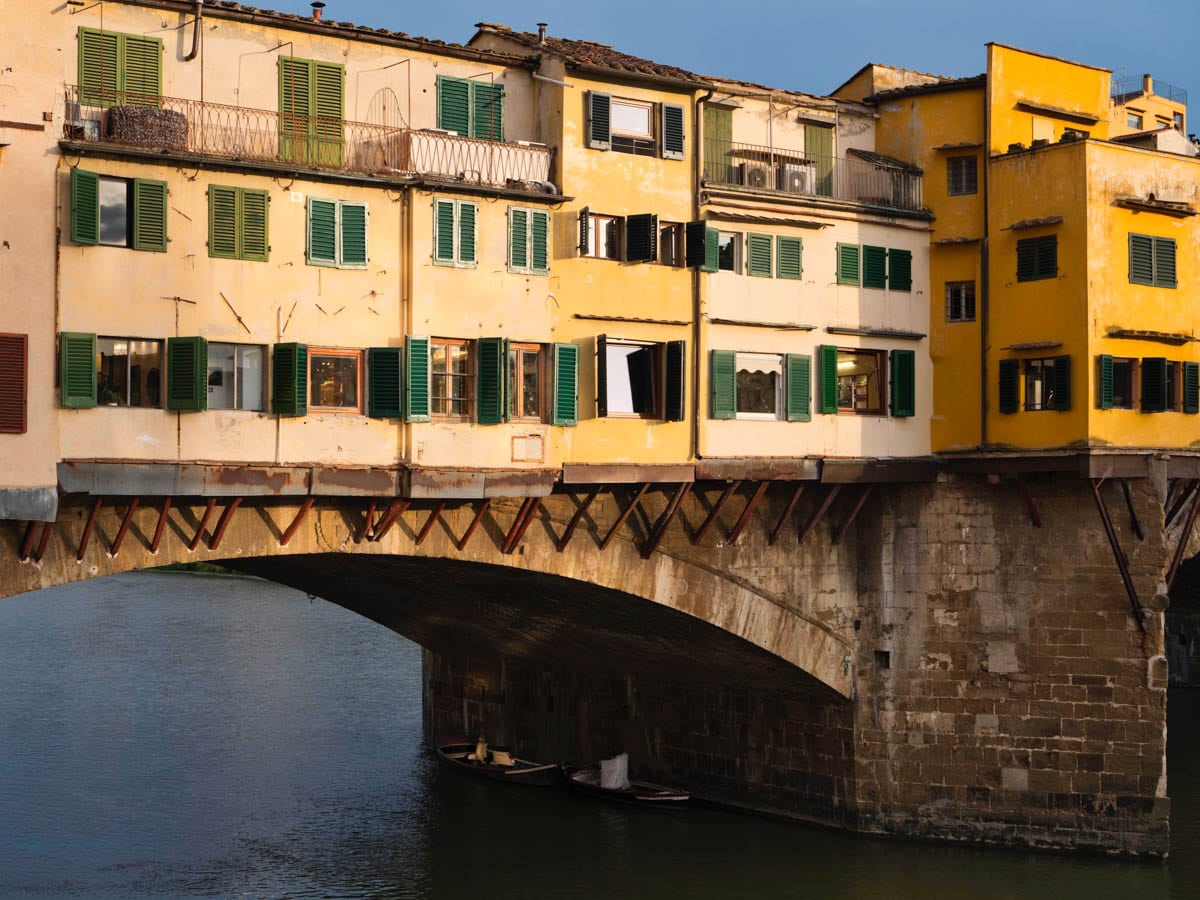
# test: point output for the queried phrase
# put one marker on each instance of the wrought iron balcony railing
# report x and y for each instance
(871, 179)
(239, 133)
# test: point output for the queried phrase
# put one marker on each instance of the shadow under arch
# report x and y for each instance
(1182, 640)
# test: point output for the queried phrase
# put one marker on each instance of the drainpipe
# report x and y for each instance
(697, 362)
(984, 268)
(196, 31)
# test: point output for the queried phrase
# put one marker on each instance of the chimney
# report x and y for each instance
(317, 6)
(1147, 85)
(542, 33)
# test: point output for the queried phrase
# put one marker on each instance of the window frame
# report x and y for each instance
(779, 394)
(532, 215)
(656, 369)
(316, 353)
(457, 258)
(846, 388)
(492, 129)
(517, 351)
(240, 250)
(144, 205)
(119, 94)
(468, 378)
(962, 175)
(1037, 258)
(616, 247)
(735, 242)
(670, 244)
(1160, 254)
(338, 260)
(966, 300)
(1048, 374)
(129, 380)
(237, 348)
(636, 143)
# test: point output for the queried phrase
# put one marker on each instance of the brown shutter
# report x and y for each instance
(14, 375)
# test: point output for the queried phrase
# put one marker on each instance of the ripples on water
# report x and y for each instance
(184, 736)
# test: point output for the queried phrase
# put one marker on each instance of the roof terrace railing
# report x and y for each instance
(1132, 86)
(242, 134)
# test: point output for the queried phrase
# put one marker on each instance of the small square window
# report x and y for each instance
(860, 381)
(759, 385)
(1133, 120)
(452, 378)
(335, 380)
(604, 236)
(236, 376)
(960, 301)
(129, 372)
(962, 175)
(633, 379)
(670, 244)
(1123, 371)
(525, 382)
(729, 252)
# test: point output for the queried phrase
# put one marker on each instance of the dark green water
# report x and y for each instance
(185, 736)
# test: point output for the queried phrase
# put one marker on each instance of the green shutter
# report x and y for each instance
(327, 112)
(187, 373)
(676, 381)
(77, 370)
(1154, 384)
(1191, 388)
(599, 120)
(847, 264)
(1141, 259)
(416, 379)
(466, 232)
(539, 233)
(641, 238)
(723, 389)
(453, 105)
(904, 383)
(1164, 262)
(672, 131)
(223, 222)
(1061, 384)
(254, 224)
(827, 398)
(443, 231)
(900, 270)
(295, 108)
(85, 207)
(1105, 363)
(1010, 385)
(712, 250)
(354, 235)
(322, 232)
(758, 255)
(141, 71)
(99, 67)
(518, 238)
(789, 258)
(491, 362)
(383, 382)
(565, 408)
(874, 266)
(150, 215)
(289, 380)
(799, 387)
(487, 110)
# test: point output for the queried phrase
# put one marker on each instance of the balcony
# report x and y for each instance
(240, 134)
(865, 178)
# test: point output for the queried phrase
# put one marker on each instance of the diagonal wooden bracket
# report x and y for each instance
(819, 513)
(38, 553)
(1181, 499)
(163, 512)
(1030, 505)
(208, 511)
(428, 526)
(625, 515)
(862, 499)
(223, 523)
(367, 527)
(390, 518)
(1118, 554)
(479, 514)
(1133, 516)
(1184, 537)
(300, 514)
(31, 534)
(744, 518)
(86, 537)
(579, 512)
(124, 529)
(729, 491)
(787, 515)
(660, 527)
(525, 517)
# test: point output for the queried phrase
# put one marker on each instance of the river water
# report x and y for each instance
(170, 735)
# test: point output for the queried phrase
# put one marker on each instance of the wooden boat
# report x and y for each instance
(639, 793)
(496, 763)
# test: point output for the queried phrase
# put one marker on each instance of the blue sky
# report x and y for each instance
(815, 46)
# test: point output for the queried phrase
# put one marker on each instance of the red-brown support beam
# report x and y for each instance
(625, 515)
(522, 525)
(162, 523)
(819, 514)
(787, 515)
(300, 514)
(31, 532)
(1184, 537)
(124, 529)
(744, 518)
(87, 530)
(506, 544)
(715, 511)
(1036, 519)
(1181, 500)
(862, 499)
(1133, 516)
(1118, 554)
(47, 527)
(428, 526)
(479, 514)
(660, 528)
(365, 529)
(223, 523)
(389, 518)
(208, 510)
(583, 507)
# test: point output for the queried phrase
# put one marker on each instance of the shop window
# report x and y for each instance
(334, 380)
(236, 376)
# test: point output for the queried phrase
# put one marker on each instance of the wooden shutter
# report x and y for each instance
(601, 376)
(712, 250)
(641, 238)
(492, 371)
(443, 231)
(1164, 262)
(1154, 384)
(150, 215)
(1047, 256)
(818, 146)
(723, 386)
(487, 110)
(1141, 259)
(1191, 388)
(454, 105)
(1010, 385)
(789, 257)
(416, 379)
(466, 232)
(222, 222)
(539, 234)
(322, 232)
(599, 120)
(295, 108)
(254, 224)
(676, 381)
(1026, 260)
(354, 235)
(672, 131)
(383, 382)
(187, 373)
(327, 112)
(141, 70)
(904, 382)
(14, 383)
(564, 407)
(874, 266)
(289, 380)
(799, 387)
(518, 238)
(758, 255)
(827, 398)
(585, 225)
(99, 76)
(77, 370)
(1105, 381)
(85, 207)
(900, 270)
(695, 244)
(847, 264)
(1061, 383)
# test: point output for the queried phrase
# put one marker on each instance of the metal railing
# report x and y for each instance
(240, 133)
(794, 172)
(1132, 86)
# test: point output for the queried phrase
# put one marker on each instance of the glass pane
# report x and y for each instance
(727, 252)
(530, 395)
(438, 387)
(630, 118)
(758, 382)
(114, 219)
(221, 378)
(250, 380)
(631, 387)
(334, 381)
(112, 377)
(859, 382)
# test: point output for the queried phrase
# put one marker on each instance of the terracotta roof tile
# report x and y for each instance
(591, 53)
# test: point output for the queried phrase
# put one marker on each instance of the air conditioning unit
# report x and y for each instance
(758, 175)
(797, 179)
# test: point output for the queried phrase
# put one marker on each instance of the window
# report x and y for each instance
(729, 252)
(960, 301)
(14, 376)
(847, 264)
(118, 212)
(1133, 120)
(860, 383)
(236, 376)
(765, 386)
(1152, 260)
(525, 382)
(789, 256)
(961, 176)
(337, 234)
(528, 237)
(470, 108)
(118, 69)
(1170, 386)
(758, 255)
(1115, 382)
(237, 223)
(874, 267)
(335, 380)
(852, 381)
(1037, 258)
(454, 233)
(640, 378)
(1048, 383)
(452, 378)
(670, 243)
(600, 235)
(634, 126)
(759, 387)
(1177, 121)
(311, 109)
(128, 372)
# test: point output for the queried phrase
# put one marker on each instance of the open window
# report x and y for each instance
(640, 378)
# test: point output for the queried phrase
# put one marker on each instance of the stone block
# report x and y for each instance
(1014, 779)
